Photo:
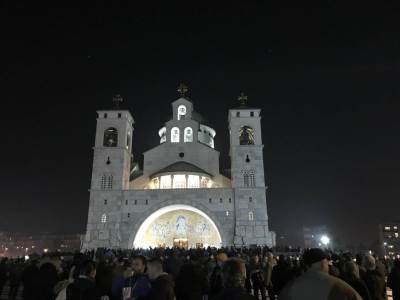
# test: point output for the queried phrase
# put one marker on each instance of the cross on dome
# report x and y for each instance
(117, 99)
(182, 89)
(242, 99)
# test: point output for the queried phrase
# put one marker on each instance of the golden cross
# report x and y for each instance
(117, 99)
(182, 89)
(242, 98)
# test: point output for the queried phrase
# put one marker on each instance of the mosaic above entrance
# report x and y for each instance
(181, 228)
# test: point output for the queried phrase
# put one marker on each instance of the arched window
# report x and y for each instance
(106, 181)
(251, 216)
(103, 218)
(181, 112)
(110, 137)
(246, 135)
(163, 135)
(103, 182)
(188, 136)
(110, 180)
(128, 140)
(252, 180)
(175, 135)
(246, 179)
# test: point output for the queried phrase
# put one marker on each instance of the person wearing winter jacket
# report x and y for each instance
(162, 286)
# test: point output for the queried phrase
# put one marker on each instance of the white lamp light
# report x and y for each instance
(325, 240)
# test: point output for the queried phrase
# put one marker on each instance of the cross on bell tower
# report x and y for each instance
(182, 90)
(242, 99)
(117, 99)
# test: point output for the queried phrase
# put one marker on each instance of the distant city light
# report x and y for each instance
(325, 240)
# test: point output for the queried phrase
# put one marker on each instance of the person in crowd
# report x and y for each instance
(30, 281)
(162, 286)
(173, 264)
(257, 277)
(122, 278)
(333, 270)
(281, 275)
(48, 278)
(60, 289)
(15, 274)
(216, 275)
(140, 281)
(104, 276)
(394, 280)
(316, 283)
(351, 274)
(191, 282)
(134, 277)
(380, 266)
(3, 273)
(84, 287)
(267, 265)
(233, 273)
(374, 279)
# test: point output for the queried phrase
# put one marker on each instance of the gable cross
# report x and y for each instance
(242, 99)
(117, 99)
(182, 89)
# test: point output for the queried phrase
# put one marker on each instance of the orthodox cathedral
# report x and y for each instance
(179, 198)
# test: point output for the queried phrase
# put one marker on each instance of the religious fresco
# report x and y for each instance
(184, 225)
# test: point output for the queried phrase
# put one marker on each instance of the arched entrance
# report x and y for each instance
(178, 225)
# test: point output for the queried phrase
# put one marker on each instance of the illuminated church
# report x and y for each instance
(179, 198)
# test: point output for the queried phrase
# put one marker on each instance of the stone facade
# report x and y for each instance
(182, 171)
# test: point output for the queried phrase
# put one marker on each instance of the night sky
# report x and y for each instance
(326, 77)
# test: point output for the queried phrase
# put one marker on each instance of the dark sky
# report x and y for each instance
(325, 75)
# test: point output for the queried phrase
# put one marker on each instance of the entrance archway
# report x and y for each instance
(178, 225)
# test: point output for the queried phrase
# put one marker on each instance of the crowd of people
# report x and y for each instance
(198, 274)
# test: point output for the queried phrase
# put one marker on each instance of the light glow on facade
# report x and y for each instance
(175, 135)
(188, 135)
(193, 181)
(165, 182)
(180, 181)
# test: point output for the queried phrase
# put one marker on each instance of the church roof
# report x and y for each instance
(245, 107)
(181, 166)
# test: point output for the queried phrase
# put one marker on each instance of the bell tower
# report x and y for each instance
(113, 149)
(247, 175)
(110, 176)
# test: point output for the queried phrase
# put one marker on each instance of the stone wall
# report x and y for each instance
(127, 210)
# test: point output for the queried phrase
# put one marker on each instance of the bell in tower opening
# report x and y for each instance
(246, 135)
(110, 137)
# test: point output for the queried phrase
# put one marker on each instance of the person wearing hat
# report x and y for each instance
(316, 283)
